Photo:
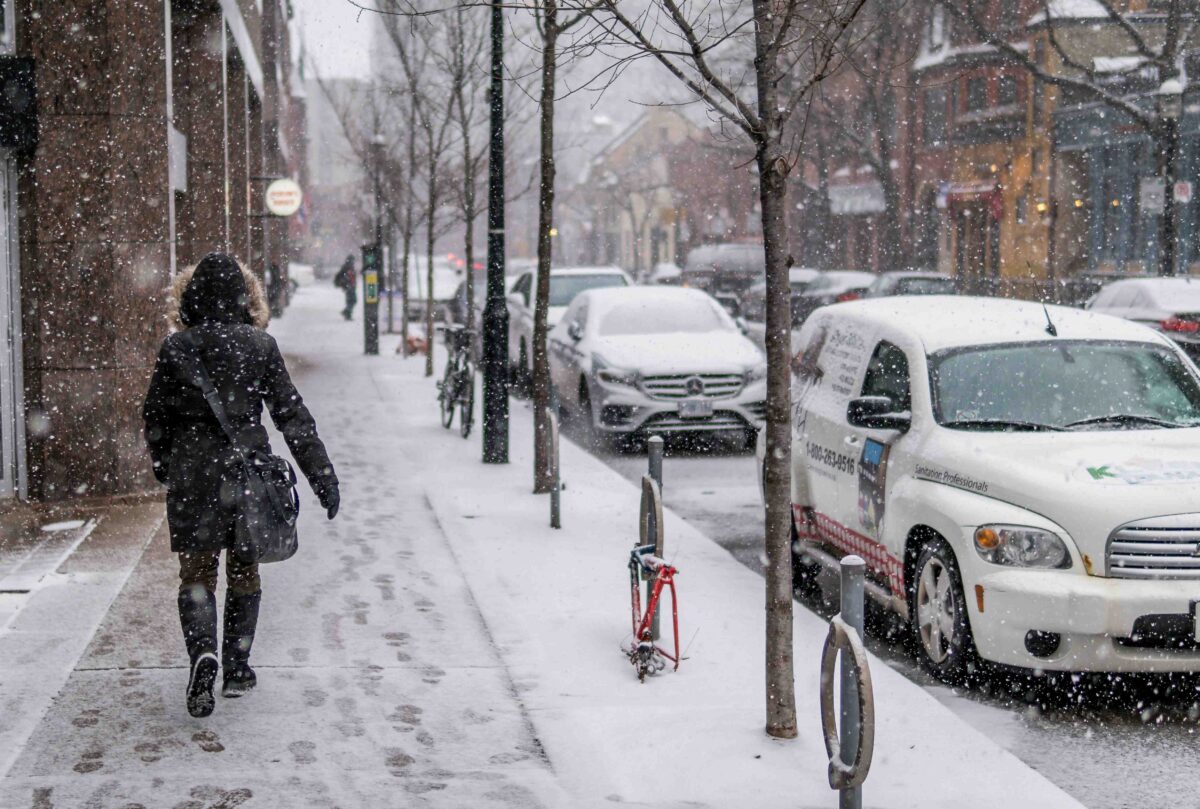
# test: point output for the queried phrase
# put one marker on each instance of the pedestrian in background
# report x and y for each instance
(345, 281)
(221, 312)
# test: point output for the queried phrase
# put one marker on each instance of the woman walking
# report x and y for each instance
(221, 312)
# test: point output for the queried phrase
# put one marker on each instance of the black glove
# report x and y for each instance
(330, 498)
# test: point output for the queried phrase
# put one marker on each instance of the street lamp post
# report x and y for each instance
(1169, 100)
(495, 312)
(373, 269)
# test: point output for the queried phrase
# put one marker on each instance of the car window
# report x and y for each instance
(1063, 383)
(521, 287)
(1122, 296)
(887, 375)
(1104, 297)
(564, 288)
(925, 286)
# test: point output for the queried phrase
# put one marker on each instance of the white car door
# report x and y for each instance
(862, 508)
(827, 373)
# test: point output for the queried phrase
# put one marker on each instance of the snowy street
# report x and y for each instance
(436, 641)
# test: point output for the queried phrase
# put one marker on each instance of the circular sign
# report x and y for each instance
(284, 197)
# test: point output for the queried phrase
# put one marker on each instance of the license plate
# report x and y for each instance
(695, 409)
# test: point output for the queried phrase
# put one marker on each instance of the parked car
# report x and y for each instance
(909, 282)
(1022, 480)
(754, 301)
(725, 271)
(445, 282)
(1170, 305)
(565, 284)
(665, 273)
(832, 286)
(646, 360)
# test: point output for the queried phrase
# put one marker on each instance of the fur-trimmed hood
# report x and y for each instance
(256, 307)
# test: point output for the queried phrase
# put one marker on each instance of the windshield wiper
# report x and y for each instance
(1125, 418)
(1000, 424)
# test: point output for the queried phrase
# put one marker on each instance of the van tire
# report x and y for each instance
(941, 628)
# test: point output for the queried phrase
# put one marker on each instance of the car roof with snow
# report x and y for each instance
(945, 321)
(608, 297)
(1166, 290)
(610, 270)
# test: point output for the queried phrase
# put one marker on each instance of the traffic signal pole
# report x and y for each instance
(495, 311)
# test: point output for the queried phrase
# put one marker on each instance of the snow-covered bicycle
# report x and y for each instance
(647, 656)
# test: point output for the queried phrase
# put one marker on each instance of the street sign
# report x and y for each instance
(284, 197)
(1151, 197)
(371, 279)
(1183, 192)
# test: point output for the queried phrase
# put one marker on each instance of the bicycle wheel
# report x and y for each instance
(446, 396)
(466, 398)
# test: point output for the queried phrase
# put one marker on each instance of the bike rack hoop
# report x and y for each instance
(844, 775)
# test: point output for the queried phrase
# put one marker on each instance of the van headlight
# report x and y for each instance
(1021, 546)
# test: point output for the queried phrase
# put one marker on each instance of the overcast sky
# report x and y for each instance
(336, 38)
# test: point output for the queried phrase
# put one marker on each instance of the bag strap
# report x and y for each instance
(201, 379)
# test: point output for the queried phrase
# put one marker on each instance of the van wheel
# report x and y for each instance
(938, 613)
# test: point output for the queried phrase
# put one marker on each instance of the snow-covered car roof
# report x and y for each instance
(944, 321)
(604, 298)
(586, 271)
(1170, 292)
(914, 274)
(802, 275)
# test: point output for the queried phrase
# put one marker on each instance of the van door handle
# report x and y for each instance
(852, 440)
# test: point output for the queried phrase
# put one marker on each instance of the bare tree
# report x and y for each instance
(416, 41)
(554, 19)
(862, 107)
(792, 46)
(1156, 43)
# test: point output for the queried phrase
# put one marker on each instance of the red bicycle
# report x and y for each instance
(648, 657)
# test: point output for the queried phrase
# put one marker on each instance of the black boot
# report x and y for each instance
(198, 617)
(241, 617)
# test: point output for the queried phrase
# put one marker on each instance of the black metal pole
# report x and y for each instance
(495, 311)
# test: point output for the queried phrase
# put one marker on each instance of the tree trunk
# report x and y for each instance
(773, 169)
(542, 479)
(1166, 150)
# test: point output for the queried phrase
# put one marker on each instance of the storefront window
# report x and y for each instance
(976, 93)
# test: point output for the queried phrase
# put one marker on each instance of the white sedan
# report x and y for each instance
(565, 284)
(1023, 481)
(644, 360)
(1171, 305)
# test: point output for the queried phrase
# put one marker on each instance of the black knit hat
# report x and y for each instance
(216, 294)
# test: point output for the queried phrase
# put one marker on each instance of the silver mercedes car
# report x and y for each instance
(639, 361)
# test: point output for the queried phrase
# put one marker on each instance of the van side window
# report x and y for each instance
(887, 375)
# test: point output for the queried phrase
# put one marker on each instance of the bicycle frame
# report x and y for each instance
(642, 559)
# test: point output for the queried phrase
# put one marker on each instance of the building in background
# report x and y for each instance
(158, 126)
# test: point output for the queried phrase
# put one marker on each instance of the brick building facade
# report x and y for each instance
(159, 124)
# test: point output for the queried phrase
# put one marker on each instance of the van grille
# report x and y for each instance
(675, 386)
(1156, 548)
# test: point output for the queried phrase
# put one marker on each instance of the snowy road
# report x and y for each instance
(1119, 750)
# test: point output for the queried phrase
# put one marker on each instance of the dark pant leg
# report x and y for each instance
(198, 602)
(242, 598)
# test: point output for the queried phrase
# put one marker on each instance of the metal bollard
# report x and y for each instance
(654, 456)
(555, 471)
(854, 571)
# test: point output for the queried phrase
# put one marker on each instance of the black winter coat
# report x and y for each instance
(191, 453)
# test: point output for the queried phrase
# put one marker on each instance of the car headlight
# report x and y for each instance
(756, 372)
(616, 376)
(1021, 546)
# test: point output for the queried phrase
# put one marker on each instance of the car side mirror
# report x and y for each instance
(877, 413)
(742, 325)
(575, 332)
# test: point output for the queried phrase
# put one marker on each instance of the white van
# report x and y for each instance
(1023, 481)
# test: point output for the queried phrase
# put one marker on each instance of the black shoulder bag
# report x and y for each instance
(268, 504)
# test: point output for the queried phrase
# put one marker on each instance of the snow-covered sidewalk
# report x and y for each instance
(439, 645)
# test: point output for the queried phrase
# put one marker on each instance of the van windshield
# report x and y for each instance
(1064, 385)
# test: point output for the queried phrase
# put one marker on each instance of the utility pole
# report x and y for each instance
(495, 312)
